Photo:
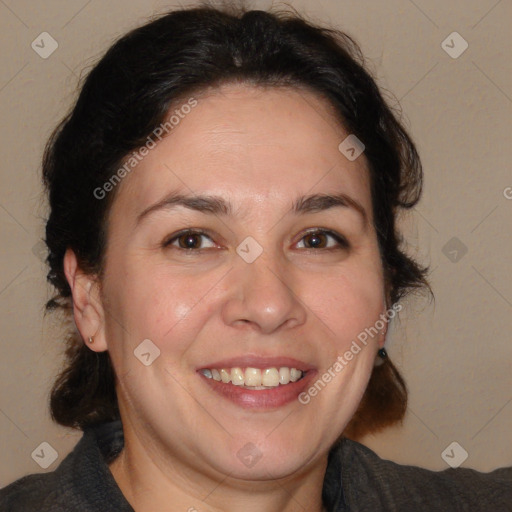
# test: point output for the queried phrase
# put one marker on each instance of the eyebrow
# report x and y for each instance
(216, 205)
(205, 204)
(321, 202)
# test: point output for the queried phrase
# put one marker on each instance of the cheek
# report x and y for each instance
(348, 302)
(150, 302)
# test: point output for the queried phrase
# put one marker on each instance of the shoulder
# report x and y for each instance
(81, 482)
(31, 492)
(386, 485)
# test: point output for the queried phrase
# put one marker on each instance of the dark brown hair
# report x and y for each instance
(128, 94)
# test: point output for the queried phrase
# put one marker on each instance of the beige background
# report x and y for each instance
(455, 354)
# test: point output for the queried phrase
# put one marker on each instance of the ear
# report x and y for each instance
(88, 309)
(384, 331)
(382, 337)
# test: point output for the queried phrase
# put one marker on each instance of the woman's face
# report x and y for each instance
(275, 275)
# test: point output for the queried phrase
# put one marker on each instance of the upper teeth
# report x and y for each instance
(254, 377)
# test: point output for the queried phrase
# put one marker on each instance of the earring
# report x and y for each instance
(91, 339)
(382, 353)
(382, 357)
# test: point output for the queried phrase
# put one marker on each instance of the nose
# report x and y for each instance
(264, 294)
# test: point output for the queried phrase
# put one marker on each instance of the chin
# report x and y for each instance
(271, 456)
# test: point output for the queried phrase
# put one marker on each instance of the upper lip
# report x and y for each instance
(258, 362)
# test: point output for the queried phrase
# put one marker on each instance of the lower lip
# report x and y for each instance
(262, 399)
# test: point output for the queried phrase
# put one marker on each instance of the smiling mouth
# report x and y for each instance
(254, 378)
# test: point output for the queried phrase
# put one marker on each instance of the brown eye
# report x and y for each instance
(321, 239)
(189, 240)
(316, 240)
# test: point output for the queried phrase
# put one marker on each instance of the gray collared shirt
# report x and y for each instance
(356, 480)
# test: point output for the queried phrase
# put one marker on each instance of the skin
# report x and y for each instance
(259, 149)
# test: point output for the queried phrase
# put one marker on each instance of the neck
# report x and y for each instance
(152, 483)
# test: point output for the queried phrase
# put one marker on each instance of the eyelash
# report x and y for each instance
(340, 240)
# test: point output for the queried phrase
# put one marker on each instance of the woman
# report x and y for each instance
(223, 199)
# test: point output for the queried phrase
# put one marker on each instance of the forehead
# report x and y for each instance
(252, 144)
